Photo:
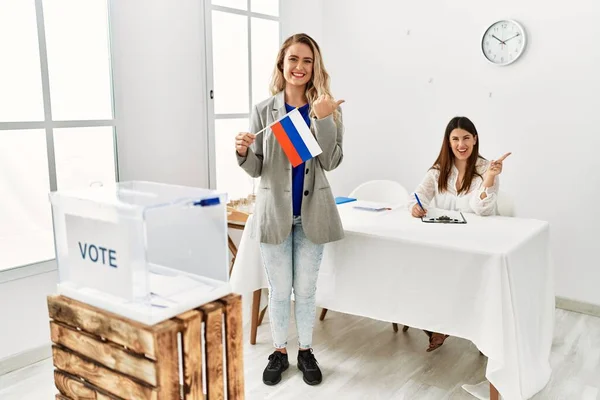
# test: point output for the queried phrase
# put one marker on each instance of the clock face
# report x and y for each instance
(503, 42)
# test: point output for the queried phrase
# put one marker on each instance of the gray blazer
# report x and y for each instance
(265, 158)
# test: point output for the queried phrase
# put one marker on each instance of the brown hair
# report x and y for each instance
(319, 81)
(445, 159)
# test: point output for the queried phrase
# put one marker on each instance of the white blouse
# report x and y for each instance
(469, 202)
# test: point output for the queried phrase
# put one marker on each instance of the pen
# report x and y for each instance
(419, 201)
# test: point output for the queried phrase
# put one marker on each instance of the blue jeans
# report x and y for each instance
(292, 264)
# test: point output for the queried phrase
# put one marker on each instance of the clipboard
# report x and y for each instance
(449, 217)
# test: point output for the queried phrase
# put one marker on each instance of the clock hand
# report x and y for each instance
(494, 36)
(518, 34)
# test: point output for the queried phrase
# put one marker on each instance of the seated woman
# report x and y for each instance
(459, 180)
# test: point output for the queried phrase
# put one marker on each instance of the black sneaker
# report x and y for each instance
(309, 367)
(278, 362)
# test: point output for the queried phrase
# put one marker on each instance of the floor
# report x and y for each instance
(364, 359)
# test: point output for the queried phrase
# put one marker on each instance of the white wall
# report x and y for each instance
(24, 315)
(160, 78)
(405, 68)
(302, 17)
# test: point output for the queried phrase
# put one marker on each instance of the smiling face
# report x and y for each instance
(462, 143)
(298, 64)
(460, 149)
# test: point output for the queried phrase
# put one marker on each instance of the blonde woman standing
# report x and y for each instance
(295, 213)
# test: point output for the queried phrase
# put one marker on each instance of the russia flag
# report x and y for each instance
(295, 138)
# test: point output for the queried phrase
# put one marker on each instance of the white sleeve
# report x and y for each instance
(426, 189)
(486, 206)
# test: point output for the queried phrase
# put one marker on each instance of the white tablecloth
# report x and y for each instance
(489, 281)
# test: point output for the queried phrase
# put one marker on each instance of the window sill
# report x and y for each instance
(25, 271)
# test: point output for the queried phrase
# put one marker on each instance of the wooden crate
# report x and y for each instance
(102, 356)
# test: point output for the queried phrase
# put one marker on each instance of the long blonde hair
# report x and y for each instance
(319, 81)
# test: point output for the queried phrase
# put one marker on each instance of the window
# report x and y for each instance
(242, 43)
(26, 223)
(78, 64)
(56, 118)
(84, 156)
(20, 79)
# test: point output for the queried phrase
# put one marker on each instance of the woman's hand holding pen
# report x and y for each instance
(418, 211)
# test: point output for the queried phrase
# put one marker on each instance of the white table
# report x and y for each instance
(489, 281)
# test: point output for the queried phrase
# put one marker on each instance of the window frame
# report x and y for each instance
(48, 125)
(210, 109)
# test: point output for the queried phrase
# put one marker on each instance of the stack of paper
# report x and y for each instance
(373, 206)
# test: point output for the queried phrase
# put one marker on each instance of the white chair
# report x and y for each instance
(382, 191)
(505, 205)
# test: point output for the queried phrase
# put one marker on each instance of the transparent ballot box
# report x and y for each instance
(146, 251)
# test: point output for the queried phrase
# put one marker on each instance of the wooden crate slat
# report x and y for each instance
(72, 387)
(167, 361)
(234, 348)
(102, 377)
(213, 337)
(192, 354)
(104, 353)
(133, 335)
